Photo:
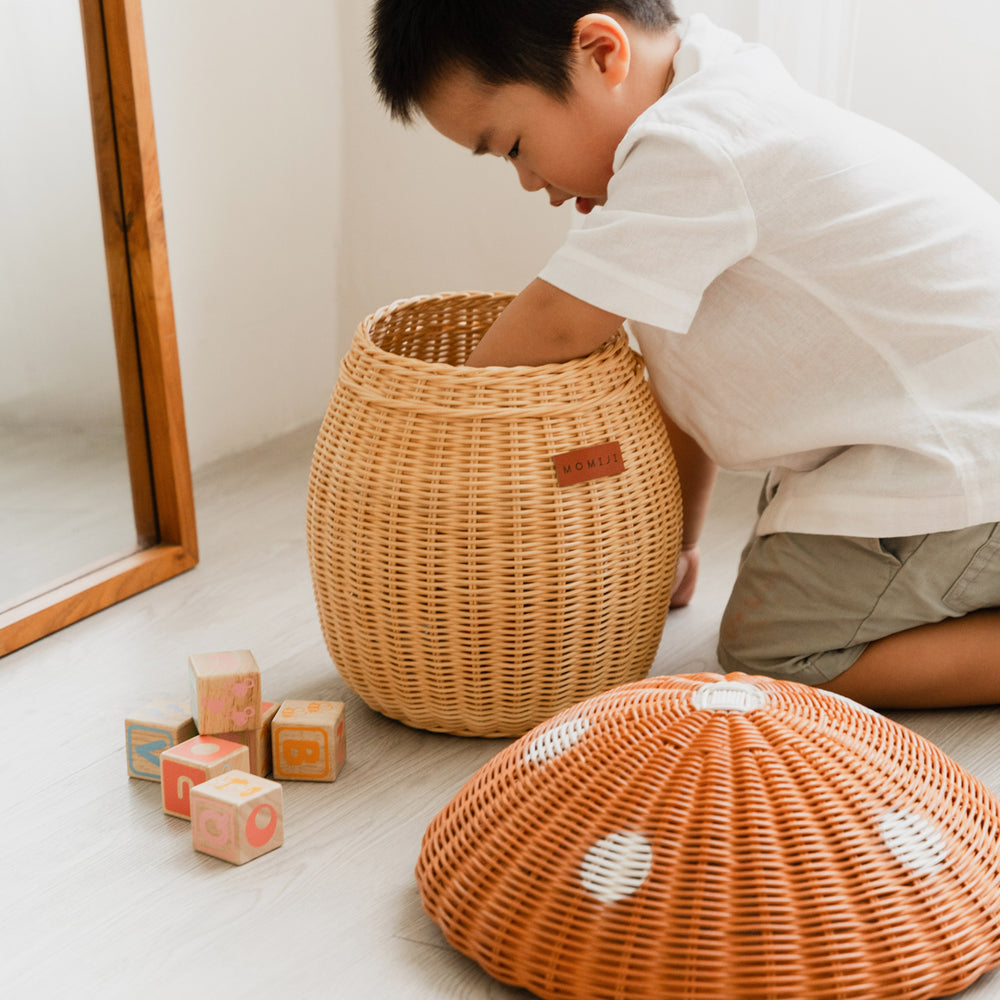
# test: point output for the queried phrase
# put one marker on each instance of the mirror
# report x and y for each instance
(93, 507)
(64, 483)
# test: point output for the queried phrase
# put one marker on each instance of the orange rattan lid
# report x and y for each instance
(720, 838)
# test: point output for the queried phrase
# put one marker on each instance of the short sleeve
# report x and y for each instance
(676, 217)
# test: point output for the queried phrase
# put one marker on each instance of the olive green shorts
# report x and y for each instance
(804, 607)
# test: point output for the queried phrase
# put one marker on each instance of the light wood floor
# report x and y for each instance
(101, 893)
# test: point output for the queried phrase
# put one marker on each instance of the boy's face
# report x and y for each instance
(565, 148)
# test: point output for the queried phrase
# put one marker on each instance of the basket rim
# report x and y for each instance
(362, 340)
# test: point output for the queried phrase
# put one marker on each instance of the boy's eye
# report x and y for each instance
(512, 155)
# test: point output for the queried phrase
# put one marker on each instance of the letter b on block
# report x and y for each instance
(305, 752)
(308, 740)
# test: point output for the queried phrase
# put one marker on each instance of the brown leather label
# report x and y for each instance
(583, 464)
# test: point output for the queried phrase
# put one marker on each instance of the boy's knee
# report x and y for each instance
(736, 654)
(739, 652)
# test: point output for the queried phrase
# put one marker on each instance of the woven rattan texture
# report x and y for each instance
(721, 839)
(460, 588)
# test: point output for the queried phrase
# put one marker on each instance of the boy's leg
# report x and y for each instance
(951, 663)
(901, 623)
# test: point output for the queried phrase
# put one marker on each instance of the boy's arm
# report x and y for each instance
(697, 473)
(544, 324)
(541, 325)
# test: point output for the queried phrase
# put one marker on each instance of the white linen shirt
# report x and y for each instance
(813, 294)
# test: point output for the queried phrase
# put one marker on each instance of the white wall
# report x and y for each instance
(932, 71)
(247, 99)
(294, 207)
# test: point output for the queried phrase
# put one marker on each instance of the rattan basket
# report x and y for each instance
(721, 839)
(468, 580)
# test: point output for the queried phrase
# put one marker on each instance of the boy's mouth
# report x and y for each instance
(583, 205)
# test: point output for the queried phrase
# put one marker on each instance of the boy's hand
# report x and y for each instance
(686, 577)
(542, 325)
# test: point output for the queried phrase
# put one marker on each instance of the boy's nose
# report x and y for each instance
(529, 181)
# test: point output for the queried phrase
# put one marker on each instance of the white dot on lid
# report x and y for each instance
(728, 696)
(617, 866)
(555, 740)
(916, 844)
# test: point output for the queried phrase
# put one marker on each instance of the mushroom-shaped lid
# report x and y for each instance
(721, 838)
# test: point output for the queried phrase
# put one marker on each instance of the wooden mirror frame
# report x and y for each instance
(143, 320)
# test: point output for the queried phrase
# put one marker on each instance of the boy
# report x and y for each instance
(813, 294)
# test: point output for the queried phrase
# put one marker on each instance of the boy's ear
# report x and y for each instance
(603, 44)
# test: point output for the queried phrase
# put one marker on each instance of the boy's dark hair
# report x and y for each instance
(415, 42)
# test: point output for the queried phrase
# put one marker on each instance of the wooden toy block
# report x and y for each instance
(225, 691)
(307, 740)
(193, 762)
(152, 729)
(237, 817)
(258, 741)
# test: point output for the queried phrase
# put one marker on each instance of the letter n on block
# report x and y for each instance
(190, 763)
(307, 741)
